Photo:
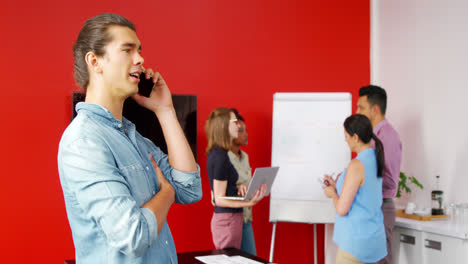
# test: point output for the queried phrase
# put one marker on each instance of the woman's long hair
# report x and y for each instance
(217, 129)
(362, 127)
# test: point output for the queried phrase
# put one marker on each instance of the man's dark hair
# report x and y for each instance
(376, 95)
(94, 36)
(238, 116)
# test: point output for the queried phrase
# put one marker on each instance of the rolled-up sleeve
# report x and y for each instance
(152, 223)
(103, 196)
(187, 185)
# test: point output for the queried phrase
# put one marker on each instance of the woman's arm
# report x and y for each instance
(354, 179)
(219, 190)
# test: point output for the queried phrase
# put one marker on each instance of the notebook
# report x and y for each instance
(261, 176)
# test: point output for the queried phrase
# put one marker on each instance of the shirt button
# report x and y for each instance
(167, 243)
(120, 125)
(154, 192)
(147, 168)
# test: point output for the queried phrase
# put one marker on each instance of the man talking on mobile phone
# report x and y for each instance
(118, 186)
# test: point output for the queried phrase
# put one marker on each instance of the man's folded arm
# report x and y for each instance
(104, 197)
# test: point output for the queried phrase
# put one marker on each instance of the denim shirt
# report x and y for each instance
(106, 176)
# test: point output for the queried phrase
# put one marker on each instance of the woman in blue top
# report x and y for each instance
(357, 196)
(226, 224)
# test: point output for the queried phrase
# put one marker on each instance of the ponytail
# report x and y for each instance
(380, 155)
(361, 125)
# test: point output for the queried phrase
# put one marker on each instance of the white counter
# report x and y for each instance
(444, 227)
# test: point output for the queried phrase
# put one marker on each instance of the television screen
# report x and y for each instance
(147, 123)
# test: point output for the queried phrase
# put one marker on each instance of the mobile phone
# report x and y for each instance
(145, 86)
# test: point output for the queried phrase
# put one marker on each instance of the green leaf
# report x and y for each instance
(407, 189)
(403, 177)
(416, 182)
(403, 184)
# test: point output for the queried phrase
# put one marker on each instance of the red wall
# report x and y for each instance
(228, 53)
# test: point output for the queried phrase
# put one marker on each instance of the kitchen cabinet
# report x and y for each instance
(408, 249)
(429, 242)
(443, 249)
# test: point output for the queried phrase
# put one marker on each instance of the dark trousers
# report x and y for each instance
(389, 214)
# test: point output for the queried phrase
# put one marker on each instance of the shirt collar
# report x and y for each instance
(379, 126)
(102, 113)
(242, 154)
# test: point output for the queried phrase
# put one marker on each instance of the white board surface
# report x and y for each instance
(308, 142)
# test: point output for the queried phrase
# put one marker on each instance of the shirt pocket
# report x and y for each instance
(136, 177)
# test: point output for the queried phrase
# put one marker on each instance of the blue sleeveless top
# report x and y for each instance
(361, 232)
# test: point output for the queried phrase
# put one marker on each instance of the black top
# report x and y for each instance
(219, 167)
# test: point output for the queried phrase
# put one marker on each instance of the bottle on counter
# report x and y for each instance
(437, 197)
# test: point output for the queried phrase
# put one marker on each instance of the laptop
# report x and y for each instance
(261, 176)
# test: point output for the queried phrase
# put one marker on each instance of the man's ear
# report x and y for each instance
(375, 110)
(93, 63)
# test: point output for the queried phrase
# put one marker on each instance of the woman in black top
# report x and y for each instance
(226, 224)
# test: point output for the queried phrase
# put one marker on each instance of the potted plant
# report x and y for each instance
(405, 181)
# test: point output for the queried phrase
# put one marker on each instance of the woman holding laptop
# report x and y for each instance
(226, 224)
(357, 197)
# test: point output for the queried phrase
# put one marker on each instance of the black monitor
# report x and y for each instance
(147, 123)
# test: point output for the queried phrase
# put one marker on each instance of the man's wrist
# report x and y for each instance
(167, 189)
(165, 113)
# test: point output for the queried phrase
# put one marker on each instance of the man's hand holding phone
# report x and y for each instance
(155, 94)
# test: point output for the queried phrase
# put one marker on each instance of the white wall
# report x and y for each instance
(419, 54)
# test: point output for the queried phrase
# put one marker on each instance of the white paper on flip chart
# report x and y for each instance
(308, 141)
